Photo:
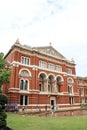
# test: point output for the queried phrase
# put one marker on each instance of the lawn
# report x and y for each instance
(19, 122)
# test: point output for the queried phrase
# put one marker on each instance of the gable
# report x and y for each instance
(50, 51)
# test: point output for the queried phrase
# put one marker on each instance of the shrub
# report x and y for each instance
(3, 99)
(3, 115)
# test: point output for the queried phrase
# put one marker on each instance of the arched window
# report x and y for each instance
(51, 78)
(42, 81)
(41, 87)
(49, 88)
(70, 85)
(59, 79)
(26, 84)
(23, 84)
(70, 89)
(24, 72)
(70, 80)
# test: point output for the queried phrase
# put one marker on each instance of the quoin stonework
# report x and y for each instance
(42, 78)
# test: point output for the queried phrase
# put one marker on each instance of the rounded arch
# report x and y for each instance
(43, 75)
(51, 77)
(70, 80)
(24, 84)
(59, 78)
(42, 81)
(25, 72)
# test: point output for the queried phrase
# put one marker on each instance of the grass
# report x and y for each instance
(19, 122)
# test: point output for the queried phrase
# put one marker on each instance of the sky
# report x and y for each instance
(39, 22)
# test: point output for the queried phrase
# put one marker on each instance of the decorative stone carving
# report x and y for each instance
(50, 51)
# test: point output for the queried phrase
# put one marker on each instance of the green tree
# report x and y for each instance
(4, 73)
(4, 78)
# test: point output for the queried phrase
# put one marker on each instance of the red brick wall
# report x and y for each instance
(36, 97)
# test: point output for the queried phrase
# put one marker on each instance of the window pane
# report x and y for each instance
(26, 100)
(69, 71)
(22, 61)
(26, 85)
(42, 64)
(70, 89)
(21, 100)
(58, 68)
(25, 60)
(49, 88)
(21, 84)
(40, 87)
(50, 66)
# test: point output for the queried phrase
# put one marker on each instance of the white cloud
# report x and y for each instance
(38, 22)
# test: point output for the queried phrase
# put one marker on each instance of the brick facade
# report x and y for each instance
(41, 76)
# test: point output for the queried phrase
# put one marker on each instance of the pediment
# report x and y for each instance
(50, 51)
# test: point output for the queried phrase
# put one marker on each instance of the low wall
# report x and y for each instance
(75, 112)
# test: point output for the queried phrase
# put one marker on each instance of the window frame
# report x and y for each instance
(70, 89)
(23, 100)
(51, 66)
(68, 71)
(42, 64)
(24, 88)
(25, 60)
(58, 68)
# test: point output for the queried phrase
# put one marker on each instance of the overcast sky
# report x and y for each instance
(39, 22)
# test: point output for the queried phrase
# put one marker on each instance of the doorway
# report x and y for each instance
(52, 104)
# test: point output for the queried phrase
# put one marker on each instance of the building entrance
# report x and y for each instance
(52, 104)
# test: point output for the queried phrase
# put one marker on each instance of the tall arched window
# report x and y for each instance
(70, 85)
(59, 80)
(41, 87)
(26, 84)
(51, 79)
(25, 75)
(49, 88)
(42, 81)
(70, 80)
(23, 84)
(70, 89)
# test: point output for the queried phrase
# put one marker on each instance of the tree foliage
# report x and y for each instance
(4, 78)
(2, 61)
(4, 73)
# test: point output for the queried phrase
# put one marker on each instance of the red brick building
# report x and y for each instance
(41, 76)
(82, 87)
